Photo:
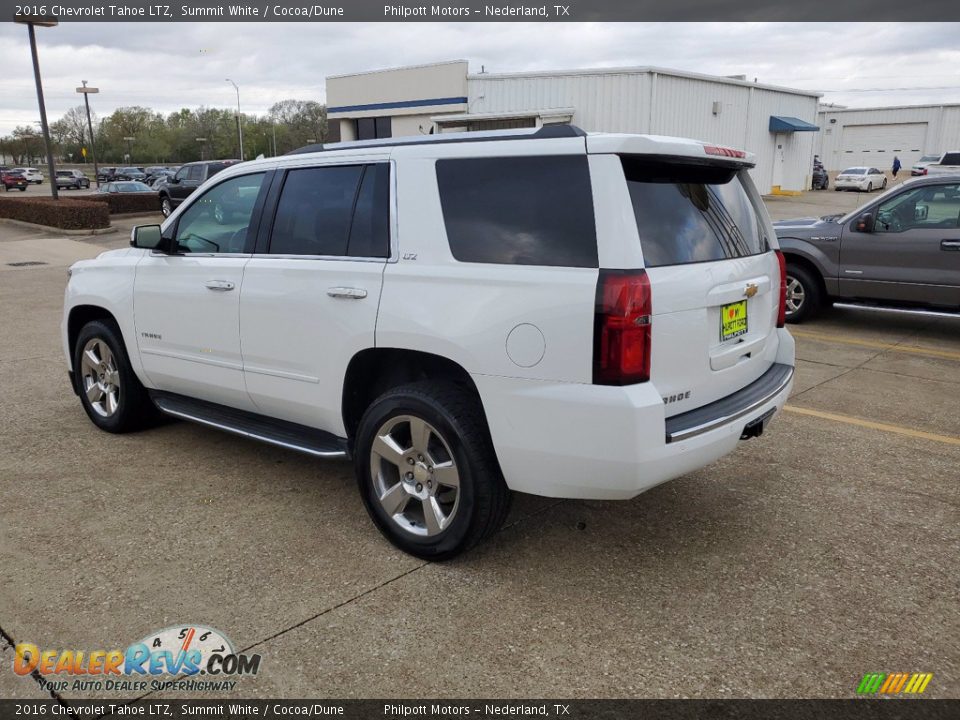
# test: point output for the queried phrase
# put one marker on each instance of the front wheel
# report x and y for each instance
(803, 294)
(166, 207)
(427, 471)
(110, 391)
(869, 187)
(884, 186)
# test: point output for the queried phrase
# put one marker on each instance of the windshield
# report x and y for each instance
(929, 158)
(854, 171)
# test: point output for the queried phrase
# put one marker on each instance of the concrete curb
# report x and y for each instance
(61, 231)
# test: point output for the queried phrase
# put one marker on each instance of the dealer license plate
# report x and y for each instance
(733, 320)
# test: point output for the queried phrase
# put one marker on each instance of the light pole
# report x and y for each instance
(203, 145)
(49, 21)
(239, 125)
(86, 92)
(129, 139)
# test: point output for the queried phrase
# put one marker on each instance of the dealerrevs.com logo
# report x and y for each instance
(170, 658)
(894, 683)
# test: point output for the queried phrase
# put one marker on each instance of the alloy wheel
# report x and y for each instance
(100, 377)
(795, 295)
(415, 476)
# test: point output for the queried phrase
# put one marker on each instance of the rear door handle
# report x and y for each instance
(349, 293)
(950, 244)
(219, 285)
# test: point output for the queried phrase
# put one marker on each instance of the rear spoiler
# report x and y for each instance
(675, 149)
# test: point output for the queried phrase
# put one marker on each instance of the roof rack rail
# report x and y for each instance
(542, 133)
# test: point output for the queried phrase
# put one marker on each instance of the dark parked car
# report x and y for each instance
(129, 173)
(106, 174)
(13, 180)
(901, 248)
(188, 178)
(125, 186)
(75, 179)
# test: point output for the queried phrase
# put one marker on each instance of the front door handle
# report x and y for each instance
(350, 293)
(219, 285)
(950, 245)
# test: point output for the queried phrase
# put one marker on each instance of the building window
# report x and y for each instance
(373, 128)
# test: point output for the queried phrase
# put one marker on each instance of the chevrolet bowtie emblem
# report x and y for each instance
(750, 290)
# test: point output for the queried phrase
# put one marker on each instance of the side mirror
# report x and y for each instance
(174, 180)
(920, 212)
(865, 223)
(148, 237)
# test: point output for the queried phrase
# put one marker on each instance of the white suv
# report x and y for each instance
(553, 312)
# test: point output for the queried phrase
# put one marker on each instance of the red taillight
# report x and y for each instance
(621, 333)
(782, 311)
(924, 171)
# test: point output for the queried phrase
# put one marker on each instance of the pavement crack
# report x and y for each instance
(7, 639)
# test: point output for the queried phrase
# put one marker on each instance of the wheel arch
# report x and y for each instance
(373, 371)
(809, 265)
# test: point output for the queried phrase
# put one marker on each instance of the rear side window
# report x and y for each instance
(336, 211)
(519, 210)
(951, 158)
(215, 167)
(692, 213)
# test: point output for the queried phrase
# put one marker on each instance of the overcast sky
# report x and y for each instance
(169, 66)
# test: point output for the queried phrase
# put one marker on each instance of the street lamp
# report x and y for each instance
(203, 145)
(87, 92)
(239, 126)
(129, 139)
(30, 22)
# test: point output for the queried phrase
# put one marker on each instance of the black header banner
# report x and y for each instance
(229, 709)
(478, 11)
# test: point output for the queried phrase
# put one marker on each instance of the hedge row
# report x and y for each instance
(66, 214)
(127, 202)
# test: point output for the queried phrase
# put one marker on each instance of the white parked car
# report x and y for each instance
(552, 312)
(866, 179)
(920, 166)
(32, 175)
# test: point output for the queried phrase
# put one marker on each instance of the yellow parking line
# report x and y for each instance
(897, 429)
(827, 337)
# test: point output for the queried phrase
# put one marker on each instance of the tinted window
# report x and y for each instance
(519, 210)
(218, 221)
(314, 212)
(930, 207)
(195, 172)
(688, 214)
(951, 158)
(369, 233)
(366, 129)
(215, 167)
(384, 127)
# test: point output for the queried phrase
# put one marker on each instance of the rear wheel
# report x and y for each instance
(826, 183)
(804, 297)
(166, 207)
(110, 391)
(869, 187)
(427, 471)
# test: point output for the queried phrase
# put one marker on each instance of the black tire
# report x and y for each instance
(461, 431)
(826, 183)
(23, 189)
(134, 409)
(812, 300)
(166, 206)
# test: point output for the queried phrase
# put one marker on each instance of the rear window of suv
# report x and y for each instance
(691, 213)
(519, 210)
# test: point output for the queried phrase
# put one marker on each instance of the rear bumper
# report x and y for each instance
(743, 404)
(594, 442)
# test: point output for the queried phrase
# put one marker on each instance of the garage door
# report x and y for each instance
(877, 144)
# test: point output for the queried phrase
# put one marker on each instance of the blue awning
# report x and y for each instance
(783, 124)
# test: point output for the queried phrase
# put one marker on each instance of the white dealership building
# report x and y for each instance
(777, 124)
(873, 136)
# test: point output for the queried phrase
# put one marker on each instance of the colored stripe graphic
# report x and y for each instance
(894, 683)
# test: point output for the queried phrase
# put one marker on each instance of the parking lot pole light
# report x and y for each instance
(43, 22)
(239, 124)
(86, 92)
(203, 146)
(129, 139)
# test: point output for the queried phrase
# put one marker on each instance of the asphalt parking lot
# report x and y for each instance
(824, 550)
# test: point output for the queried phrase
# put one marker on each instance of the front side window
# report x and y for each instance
(334, 211)
(195, 173)
(217, 222)
(182, 173)
(519, 210)
(932, 207)
(692, 213)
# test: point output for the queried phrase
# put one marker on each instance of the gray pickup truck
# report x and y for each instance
(902, 248)
(949, 163)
